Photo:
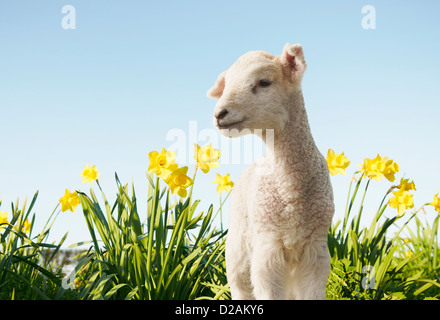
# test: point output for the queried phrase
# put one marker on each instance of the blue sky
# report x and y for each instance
(111, 90)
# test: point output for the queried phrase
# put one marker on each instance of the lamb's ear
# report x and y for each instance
(217, 90)
(293, 60)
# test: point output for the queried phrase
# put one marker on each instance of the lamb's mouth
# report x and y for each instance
(233, 125)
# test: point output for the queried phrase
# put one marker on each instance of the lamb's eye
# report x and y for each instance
(264, 83)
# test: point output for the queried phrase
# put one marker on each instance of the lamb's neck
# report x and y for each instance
(293, 145)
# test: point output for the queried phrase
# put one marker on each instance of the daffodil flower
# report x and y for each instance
(401, 201)
(3, 219)
(373, 168)
(337, 163)
(69, 201)
(436, 203)
(89, 174)
(406, 185)
(391, 168)
(178, 181)
(26, 227)
(163, 163)
(224, 183)
(80, 282)
(380, 167)
(206, 157)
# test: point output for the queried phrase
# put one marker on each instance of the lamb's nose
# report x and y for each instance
(221, 114)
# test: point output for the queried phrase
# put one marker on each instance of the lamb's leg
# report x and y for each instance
(238, 270)
(268, 269)
(239, 283)
(312, 273)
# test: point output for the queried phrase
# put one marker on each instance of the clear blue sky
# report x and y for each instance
(111, 90)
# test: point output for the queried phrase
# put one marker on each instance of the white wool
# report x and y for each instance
(281, 209)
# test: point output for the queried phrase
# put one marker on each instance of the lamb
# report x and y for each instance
(281, 208)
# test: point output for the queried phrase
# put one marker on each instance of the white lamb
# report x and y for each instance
(281, 209)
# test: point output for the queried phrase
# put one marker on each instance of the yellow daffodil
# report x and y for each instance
(80, 282)
(206, 157)
(178, 181)
(69, 201)
(163, 163)
(26, 227)
(379, 167)
(436, 203)
(391, 168)
(337, 162)
(89, 174)
(224, 183)
(406, 185)
(401, 201)
(3, 219)
(373, 168)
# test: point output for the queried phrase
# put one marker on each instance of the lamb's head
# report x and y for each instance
(254, 93)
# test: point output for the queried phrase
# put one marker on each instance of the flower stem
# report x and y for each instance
(193, 181)
(221, 213)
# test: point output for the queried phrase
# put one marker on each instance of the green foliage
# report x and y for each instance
(176, 254)
(173, 251)
(370, 263)
(27, 269)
